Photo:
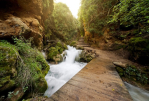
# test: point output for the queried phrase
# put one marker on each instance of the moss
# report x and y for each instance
(4, 80)
(88, 59)
(62, 46)
(8, 59)
(8, 86)
(81, 48)
(40, 84)
(137, 40)
(59, 44)
(73, 44)
(52, 52)
(8, 54)
(120, 71)
(65, 46)
(15, 60)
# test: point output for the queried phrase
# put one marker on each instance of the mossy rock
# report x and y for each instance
(32, 63)
(9, 84)
(8, 59)
(85, 56)
(8, 55)
(62, 46)
(52, 52)
(74, 44)
(79, 47)
(58, 58)
(40, 84)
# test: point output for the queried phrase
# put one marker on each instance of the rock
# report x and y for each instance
(33, 70)
(120, 64)
(86, 56)
(35, 23)
(25, 18)
(79, 47)
(58, 58)
(54, 52)
(13, 26)
(17, 94)
(8, 59)
(74, 44)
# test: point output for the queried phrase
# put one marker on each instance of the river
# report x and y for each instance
(60, 73)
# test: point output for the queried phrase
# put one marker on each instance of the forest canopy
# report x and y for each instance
(62, 21)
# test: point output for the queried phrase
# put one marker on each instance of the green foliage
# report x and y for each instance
(138, 47)
(61, 21)
(133, 73)
(28, 63)
(132, 13)
(54, 51)
(94, 14)
(63, 18)
(46, 3)
(73, 43)
(10, 94)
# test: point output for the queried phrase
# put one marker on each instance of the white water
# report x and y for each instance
(59, 74)
(136, 93)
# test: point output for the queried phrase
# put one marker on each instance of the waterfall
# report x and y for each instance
(60, 73)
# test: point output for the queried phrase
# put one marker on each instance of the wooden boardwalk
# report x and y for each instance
(97, 81)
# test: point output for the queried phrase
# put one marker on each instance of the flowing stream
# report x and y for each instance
(60, 73)
(136, 93)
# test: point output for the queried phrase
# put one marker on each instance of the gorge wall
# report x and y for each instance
(117, 24)
(24, 18)
(22, 66)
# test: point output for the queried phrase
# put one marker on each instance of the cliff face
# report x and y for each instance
(24, 18)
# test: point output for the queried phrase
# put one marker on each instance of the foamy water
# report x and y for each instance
(136, 93)
(61, 73)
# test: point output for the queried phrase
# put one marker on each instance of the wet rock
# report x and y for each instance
(58, 58)
(54, 52)
(86, 56)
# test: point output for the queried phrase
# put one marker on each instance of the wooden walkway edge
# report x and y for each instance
(97, 81)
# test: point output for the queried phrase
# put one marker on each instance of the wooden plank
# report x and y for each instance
(97, 81)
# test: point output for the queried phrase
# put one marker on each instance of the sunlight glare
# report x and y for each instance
(73, 5)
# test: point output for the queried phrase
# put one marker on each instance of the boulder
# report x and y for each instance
(120, 64)
(19, 70)
(8, 70)
(86, 56)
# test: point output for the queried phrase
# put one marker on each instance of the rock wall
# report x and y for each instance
(24, 18)
(105, 42)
